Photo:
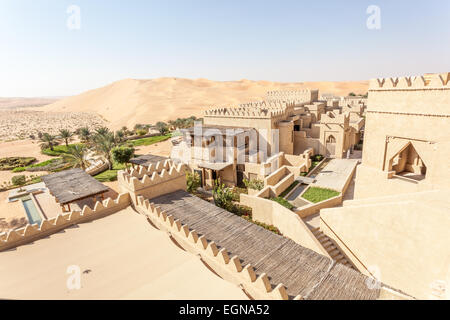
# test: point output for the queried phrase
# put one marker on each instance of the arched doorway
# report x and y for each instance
(408, 163)
(330, 145)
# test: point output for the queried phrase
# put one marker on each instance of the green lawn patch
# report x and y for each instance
(283, 202)
(315, 194)
(110, 175)
(150, 140)
(58, 150)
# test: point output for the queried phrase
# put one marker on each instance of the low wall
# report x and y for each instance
(229, 268)
(289, 223)
(30, 233)
(314, 208)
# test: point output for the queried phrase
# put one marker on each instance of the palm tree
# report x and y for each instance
(120, 136)
(66, 135)
(103, 131)
(76, 156)
(48, 141)
(85, 134)
(103, 144)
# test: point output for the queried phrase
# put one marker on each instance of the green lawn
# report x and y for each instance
(57, 150)
(110, 175)
(37, 165)
(150, 140)
(315, 194)
(283, 202)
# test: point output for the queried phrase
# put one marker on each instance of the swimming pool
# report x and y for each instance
(32, 212)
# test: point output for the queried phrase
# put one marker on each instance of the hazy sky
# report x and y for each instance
(219, 40)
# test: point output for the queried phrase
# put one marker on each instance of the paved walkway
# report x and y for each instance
(335, 174)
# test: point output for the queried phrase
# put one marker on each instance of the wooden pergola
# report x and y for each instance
(73, 185)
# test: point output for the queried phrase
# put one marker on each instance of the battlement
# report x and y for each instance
(30, 233)
(140, 171)
(263, 109)
(425, 82)
(134, 183)
(296, 96)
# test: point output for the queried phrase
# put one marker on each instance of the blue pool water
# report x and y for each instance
(33, 214)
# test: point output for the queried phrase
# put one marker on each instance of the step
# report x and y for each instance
(334, 253)
(322, 236)
(327, 244)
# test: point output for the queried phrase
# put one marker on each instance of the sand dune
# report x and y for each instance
(131, 101)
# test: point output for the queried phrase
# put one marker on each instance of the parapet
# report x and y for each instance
(425, 82)
(297, 96)
(30, 233)
(218, 259)
(133, 183)
(264, 109)
(140, 171)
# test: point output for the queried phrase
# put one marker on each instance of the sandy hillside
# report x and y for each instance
(130, 101)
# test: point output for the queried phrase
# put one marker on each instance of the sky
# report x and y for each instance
(42, 54)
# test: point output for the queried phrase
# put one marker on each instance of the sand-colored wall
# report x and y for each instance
(155, 185)
(415, 110)
(405, 239)
(32, 233)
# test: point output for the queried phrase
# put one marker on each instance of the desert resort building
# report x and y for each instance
(380, 233)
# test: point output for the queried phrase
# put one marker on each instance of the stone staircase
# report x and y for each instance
(330, 247)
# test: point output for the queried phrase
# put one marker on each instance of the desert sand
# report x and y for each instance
(131, 101)
(114, 264)
(20, 124)
(18, 102)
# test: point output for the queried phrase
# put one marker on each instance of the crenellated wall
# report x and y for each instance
(156, 184)
(229, 268)
(140, 171)
(30, 233)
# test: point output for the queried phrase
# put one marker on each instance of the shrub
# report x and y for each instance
(162, 127)
(15, 162)
(317, 157)
(18, 180)
(283, 202)
(223, 196)
(255, 184)
(141, 132)
(192, 181)
(122, 154)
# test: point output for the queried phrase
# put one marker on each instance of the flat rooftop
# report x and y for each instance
(147, 160)
(72, 185)
(303, 271)
(222, 129)
(120, 257)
